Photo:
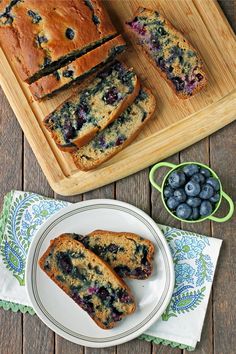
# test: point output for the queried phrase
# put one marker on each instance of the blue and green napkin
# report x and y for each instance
(195, 257)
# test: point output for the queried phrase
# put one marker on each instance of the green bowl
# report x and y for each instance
(176, 167)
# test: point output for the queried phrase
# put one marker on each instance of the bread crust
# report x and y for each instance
(83, 167)
(54, 18)
(66, 238)
(136, 38)
(47, 85)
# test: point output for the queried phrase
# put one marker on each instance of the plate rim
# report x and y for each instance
(30, 264)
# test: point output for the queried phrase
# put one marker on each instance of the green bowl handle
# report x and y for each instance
(230, 213)
(153, 170)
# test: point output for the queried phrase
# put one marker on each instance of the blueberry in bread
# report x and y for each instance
(173, 56)
(91, 109)
(88, 280)
(127, 253)
(118, 134)
(78, 69)
(41, 36)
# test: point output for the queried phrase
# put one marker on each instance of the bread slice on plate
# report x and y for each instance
(118, 134)
(77, 70)
(169, 51)
(76, 121)
(128, 254)
(88, 280)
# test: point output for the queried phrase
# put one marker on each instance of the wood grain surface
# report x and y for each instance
(26, 334)
(176, 123)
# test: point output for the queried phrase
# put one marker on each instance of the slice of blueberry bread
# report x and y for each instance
(91, 109)
(41, 36)
(78, 69)
(118, 134)
(88, 280)
(128, 254)
(174, 57)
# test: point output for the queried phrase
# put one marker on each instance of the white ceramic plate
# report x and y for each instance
(60, 313)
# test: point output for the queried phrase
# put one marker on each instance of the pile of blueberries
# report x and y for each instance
(191, 192)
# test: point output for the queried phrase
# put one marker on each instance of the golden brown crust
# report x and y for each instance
(83, 167)
(18, 38)
(162, 74)
(48, 84)
(65, 238)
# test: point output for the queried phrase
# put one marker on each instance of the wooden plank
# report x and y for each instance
(10, 332)
(222, 148)
(201, 30)
(37, 337)
(136, 191)
(10, 178)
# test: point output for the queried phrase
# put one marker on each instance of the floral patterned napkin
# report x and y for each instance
(195, 259)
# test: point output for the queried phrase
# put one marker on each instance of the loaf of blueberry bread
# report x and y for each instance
(173, 56)
(78, 69)
(118, 134)
(88, 280)
(75, 122)
(128, 254)
(41, 36)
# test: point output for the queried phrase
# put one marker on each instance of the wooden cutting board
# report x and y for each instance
(176, 124)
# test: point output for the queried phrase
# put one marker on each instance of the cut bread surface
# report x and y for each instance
(75, 122)
(127, 253)
(169, 51)
(88, 280)
(118, 134)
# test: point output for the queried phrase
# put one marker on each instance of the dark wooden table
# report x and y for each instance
(19, 170)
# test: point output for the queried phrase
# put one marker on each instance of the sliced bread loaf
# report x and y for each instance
(91, 109)
(174, 57)
(118, 134)
(78, 69)
(127, 253)
(88, 280)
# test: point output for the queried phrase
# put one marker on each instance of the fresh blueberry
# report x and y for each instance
(192, 189)
(183, 211)
(193, 202)
(205, 172)
(198, 177)
(190, 170)
(168, 191)
(172, 203)
(214, 183)
(205, 208)
(176, 179)
(195, 214)
(215, 198)
(70, 33)
(180, 195)
(207, 191)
